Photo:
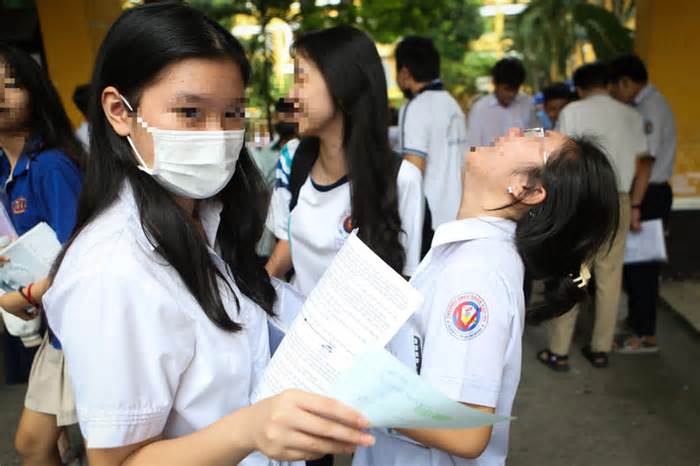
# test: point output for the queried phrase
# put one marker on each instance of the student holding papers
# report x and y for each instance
(40, 161)
(160, 299)
(343, 175)
(524, 200)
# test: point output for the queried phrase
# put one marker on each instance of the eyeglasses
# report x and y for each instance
(540, 134)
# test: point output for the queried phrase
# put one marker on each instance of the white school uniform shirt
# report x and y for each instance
(467, 335)
(660, 129)
(489, 120)
(617, 127)
(433, 126)
(321, 222)
(144, 358)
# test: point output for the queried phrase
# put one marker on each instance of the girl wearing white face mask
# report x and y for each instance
(159, 298)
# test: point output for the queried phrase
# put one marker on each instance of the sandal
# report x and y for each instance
(635, 345)
(556, 362)
(597, 359)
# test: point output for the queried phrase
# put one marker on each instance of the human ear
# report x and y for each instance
(115, 111)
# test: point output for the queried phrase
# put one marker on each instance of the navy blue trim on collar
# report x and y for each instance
(324, 188)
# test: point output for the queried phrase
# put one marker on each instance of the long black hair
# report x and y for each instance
(47, 123)
(350, 64)
(578, 218)
(138, 47)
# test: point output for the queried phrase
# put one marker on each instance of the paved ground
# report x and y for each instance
(642, 411)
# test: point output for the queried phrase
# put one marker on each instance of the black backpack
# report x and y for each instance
(305, 157)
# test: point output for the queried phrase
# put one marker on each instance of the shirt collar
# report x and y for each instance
(493, 101)
(643, 94)
(474, 228)
(31, 148)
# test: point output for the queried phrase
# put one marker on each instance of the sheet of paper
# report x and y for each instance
(647, 245)
(359, 301)
(31, 257)
(287, 307)
(390, 394)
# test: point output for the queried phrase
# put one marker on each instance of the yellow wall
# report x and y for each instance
(667, 40)
(72, 31)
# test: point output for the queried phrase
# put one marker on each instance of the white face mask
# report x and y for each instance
(192, 164)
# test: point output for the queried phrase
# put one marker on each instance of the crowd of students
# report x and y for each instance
(157, 306)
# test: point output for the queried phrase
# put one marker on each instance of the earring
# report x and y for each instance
(509, 190)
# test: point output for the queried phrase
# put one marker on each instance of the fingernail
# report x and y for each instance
(363, 422)
(367, 440)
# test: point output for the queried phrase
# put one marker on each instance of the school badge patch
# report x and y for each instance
(19, 206)
(466, 316)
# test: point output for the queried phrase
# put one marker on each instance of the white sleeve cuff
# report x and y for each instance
(466, 390)
(118, 430)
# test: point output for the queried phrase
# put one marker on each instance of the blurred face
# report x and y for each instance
(492, 171)
(14, 101)
(190, 95)
(314, 107)
(625, 90)
(553, 108)
(505, 94)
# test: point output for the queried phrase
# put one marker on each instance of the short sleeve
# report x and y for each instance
(278, 212)
(653, 124)
(468, 331)
(412, 213)
(415, 130)
(638, 140)
(126, 344)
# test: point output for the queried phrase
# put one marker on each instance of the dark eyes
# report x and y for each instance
(189, 112)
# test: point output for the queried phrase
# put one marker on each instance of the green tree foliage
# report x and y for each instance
(547, 32)
(451, 24)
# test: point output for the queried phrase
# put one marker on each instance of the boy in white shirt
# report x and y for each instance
(432, 133)
(493, 115)
(619, 130)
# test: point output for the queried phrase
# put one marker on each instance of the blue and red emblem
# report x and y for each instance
(466, 316)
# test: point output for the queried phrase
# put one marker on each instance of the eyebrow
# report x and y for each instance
(197, 98)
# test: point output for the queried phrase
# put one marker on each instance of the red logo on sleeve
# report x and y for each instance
(19, 206)
(466, 316)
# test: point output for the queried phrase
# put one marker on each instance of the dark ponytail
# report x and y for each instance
(579, 216)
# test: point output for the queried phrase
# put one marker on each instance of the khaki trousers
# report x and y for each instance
(607, 267)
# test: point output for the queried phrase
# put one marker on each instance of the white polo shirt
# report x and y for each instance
(144, 358)
(617, 127)
(660, 128)
(321, 222)
(432, 125)
(467, 334)
(489, 120)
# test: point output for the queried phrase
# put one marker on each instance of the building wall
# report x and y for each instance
(667, 40)
(72, 31)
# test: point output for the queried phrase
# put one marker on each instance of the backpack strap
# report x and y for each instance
(304, 158)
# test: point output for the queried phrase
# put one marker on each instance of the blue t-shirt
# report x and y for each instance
(44, 187)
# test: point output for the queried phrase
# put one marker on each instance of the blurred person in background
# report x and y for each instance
(630, 84)
(506, 107)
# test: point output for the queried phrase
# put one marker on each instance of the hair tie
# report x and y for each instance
(584, 276)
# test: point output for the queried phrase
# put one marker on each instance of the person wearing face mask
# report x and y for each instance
(506, 107)
(159, 296)
(432, 131)
(523, 204)
(40, 172)
(341, 175)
